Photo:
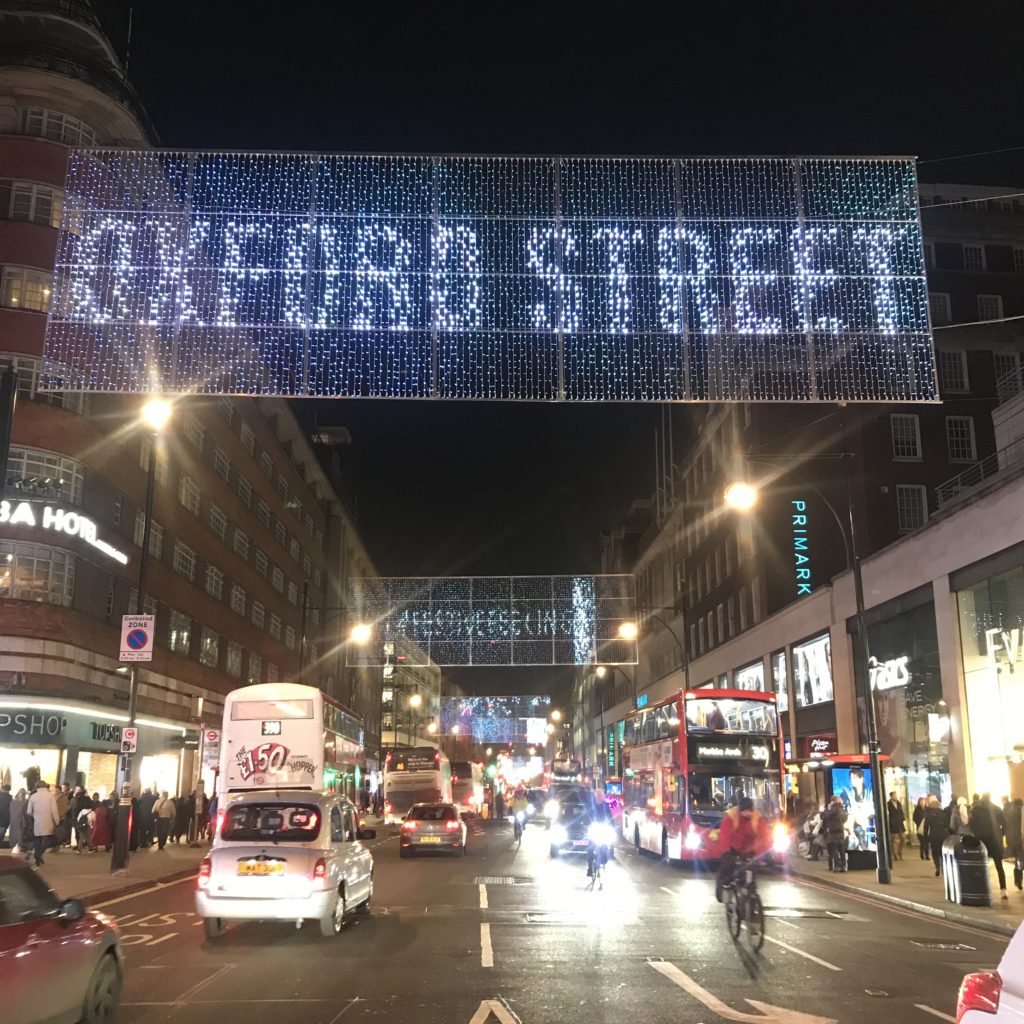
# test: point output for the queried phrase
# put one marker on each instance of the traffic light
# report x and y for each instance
(492, 770)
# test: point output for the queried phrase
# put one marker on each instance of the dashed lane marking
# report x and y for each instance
(159, 887)
(803, 953)
(483, 896)
(486, 953)
(935, 1013)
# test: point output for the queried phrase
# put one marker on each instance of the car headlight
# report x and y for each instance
(780, 838)
(529, 810)
(692, 840)
(551, 808)
(558, 835)
(601, 834)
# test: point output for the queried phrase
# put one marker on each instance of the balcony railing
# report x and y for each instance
(1010, 384)
(961, 485)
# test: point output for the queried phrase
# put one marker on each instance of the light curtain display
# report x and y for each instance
(495, 620)
(541, 278)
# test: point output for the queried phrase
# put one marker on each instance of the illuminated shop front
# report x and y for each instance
(59, 741)
(991, 613)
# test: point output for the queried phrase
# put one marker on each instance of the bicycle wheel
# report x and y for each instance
(755, 921)
(732, 912)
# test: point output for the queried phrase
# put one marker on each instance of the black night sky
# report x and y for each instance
(447, 488)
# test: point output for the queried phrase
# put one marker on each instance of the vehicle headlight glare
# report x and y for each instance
(558, 835)
(551, 808)
(601, 834)
(780, 838)
(693, 840)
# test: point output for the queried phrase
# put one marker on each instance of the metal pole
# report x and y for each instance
(8, 400)
(122, 838)
(861, 669)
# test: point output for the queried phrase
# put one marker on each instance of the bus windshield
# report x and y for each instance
(725, 715)
(712, 795)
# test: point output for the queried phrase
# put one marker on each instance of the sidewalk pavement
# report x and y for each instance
(915, 887)
(87, 876)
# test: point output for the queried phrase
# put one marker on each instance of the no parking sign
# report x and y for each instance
(137, 637)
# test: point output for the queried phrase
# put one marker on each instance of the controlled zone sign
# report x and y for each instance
(508, 277)
(495, 620)
(137, 637)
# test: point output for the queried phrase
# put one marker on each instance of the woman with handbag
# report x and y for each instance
(918, 818)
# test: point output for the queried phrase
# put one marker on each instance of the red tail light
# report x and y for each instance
(203, 878)
(320, 870)
(979, 992)
(452, 825)
(408, 826)
(220, 821)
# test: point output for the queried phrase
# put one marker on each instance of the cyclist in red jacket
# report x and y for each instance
(744, 832)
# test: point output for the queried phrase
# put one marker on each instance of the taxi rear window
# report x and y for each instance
(271, 823)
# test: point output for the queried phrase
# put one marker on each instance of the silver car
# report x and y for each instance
(431, 827)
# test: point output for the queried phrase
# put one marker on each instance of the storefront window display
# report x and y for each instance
(780, 684)
(992, 640)
(750, 677)
(812, 671)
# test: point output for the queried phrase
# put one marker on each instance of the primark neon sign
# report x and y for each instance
(499, 277)
(799, 523)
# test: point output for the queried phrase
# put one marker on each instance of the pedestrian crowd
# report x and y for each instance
(68, 818)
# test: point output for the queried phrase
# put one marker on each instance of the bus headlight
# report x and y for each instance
(692, 840)
(780, 838)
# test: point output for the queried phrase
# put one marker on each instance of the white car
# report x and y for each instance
(286, 855)
(995, 997)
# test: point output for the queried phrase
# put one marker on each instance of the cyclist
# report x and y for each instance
(598, 853)
(519, 809)
(744, 832)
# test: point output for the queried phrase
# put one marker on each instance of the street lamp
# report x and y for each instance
(556, 715)
(362, 633)
(154, 415)
(739, 493)
(600, 671)
(432, 728)
(628, 630)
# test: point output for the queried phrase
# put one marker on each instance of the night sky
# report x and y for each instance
(464, 488)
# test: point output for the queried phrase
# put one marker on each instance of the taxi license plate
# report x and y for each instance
(579, 842)
(430, 839)
(260, 867)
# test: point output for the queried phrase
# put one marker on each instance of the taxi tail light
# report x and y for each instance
(452, 825)
(219, 822)
(409, 826)
(981, 992)
(203, 878)
(320, 870)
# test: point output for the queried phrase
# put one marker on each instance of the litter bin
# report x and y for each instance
(965, 870)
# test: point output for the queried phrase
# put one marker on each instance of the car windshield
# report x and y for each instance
(438, 812)
(570, 810)
(271, 823)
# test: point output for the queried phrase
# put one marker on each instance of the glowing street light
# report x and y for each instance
(549, 729)
(156, 413)
(415, 700)
(600, 672)
(362, 633)
(490, 751)
(556, 715)
(432, 728)
(455, 729)
(628, 630)
(741, 496)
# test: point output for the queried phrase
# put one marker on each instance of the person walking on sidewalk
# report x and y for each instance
(1014, 816)
(936, 829)
(960, 818)
(17, 822)
(5, 810)
(833, 824)
(918, 819)
(163, 815)
(42, 809)
(989, 825)
(897, 825)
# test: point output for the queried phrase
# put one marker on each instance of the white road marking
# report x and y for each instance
(181, 1000)
(142, 892)
(491, 1007)
(935, 1013)
(486, 953)
(665, 888)
(803, 953)
(163, 938)
(788, 924)
(341, 1013)
(483, 896)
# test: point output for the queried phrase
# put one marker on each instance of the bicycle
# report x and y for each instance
(517, 828)
(743, 903)
(597, 857)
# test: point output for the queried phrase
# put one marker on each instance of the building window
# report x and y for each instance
(280, 533)
(261, 562)
(233, 660)
(179, 633)
(273, 673)
(953, 371)
(712, 642)
(939, 309)
(1009, 380)
(911, 507)
(39, 204)
(35, 473)
(293, 593)
(35, 572)
(189, 494)
(314, 616)
(237, 599)
(277, 580)
(57, 126)
(990, 307)
(317, 576)
(267, 465)
(294, 550)
(755, 598)
(906, 437)
(156, 535)
(209, 647)
(929, 254)
(275, 626)
(248, 439)
(703, 635)
(241, 544)
(146, 452)
(960, 439)
(263, 513)
(741, 600)
(184, 560)
(226, 407)
(693, 640)
(221, 463)
(194, 431)
(732, 616)
(307, 521)
(307, 565)
(289, 638)
(1018, 260)
(218, 520)
(150, 604)
(214, 582)
(974, 257)
(28, 371)
(258, 614)
(255, 667)
(23, 288)
(282, 487)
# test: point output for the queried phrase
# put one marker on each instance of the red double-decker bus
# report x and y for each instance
(691, 757)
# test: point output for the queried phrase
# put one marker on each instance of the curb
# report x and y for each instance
(953, 916)
(116, 892)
